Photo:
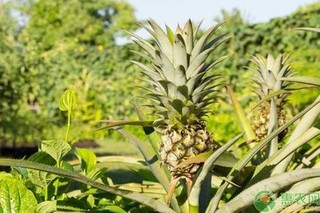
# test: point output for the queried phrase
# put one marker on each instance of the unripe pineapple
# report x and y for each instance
(181, 89)
(270, 81)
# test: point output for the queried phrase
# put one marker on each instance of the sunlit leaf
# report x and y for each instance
(67, 100)
(14, 196)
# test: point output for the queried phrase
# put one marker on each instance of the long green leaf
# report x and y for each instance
(268, 97)
(146, 200)
(304, 80)
(273, 184)
(304, 187)
(305, 123)
(151, 158)
(245, 124)
(266, 166)
(195, 191)
(246, 159)
(309, 29)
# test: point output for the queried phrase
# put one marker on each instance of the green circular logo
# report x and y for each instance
(264, 201)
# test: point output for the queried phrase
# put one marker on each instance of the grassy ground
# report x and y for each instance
(116, 147)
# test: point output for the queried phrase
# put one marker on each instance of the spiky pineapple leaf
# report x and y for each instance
(162, 38)
(273, 184)
(151, 158)
(199, 46)
(170, 34)
(304, 124)
(309, 29)
(179, 53)
(269, 96)
(246, 159)
(195, 191)
(188, 36)
(306, 188)
(264, 169)
(244, 122)
(304, 80)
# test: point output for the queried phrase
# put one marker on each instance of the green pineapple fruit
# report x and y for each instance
(181, 89)
(269, 79)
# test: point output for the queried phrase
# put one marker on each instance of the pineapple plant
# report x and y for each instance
(270, 82)
(181, 88)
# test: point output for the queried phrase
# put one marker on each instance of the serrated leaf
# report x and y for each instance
(87, 158)
(46, 207)
(15, 197)
(40, 178)
(67, 100)
(115, 209)
(55, 148)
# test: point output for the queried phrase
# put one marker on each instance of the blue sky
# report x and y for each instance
(172, 12)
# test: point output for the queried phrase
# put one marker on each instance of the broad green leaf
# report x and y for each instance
(273, 184)
(87, 159)
(138, 197)
(95, 173)
(46, 207)
(67, 100)
(15, 197)
(55, 148)
(40, 178)
(114, 209)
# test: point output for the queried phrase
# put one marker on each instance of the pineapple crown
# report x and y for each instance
(271, 75)
(180, 87)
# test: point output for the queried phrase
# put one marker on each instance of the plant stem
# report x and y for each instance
(68, 125)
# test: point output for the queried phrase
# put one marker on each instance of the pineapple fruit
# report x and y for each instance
(269, 80)
(181, 89)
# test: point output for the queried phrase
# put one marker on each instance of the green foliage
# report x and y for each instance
(277, 36)
(15, 196)
(50, 46)
(58, 45)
